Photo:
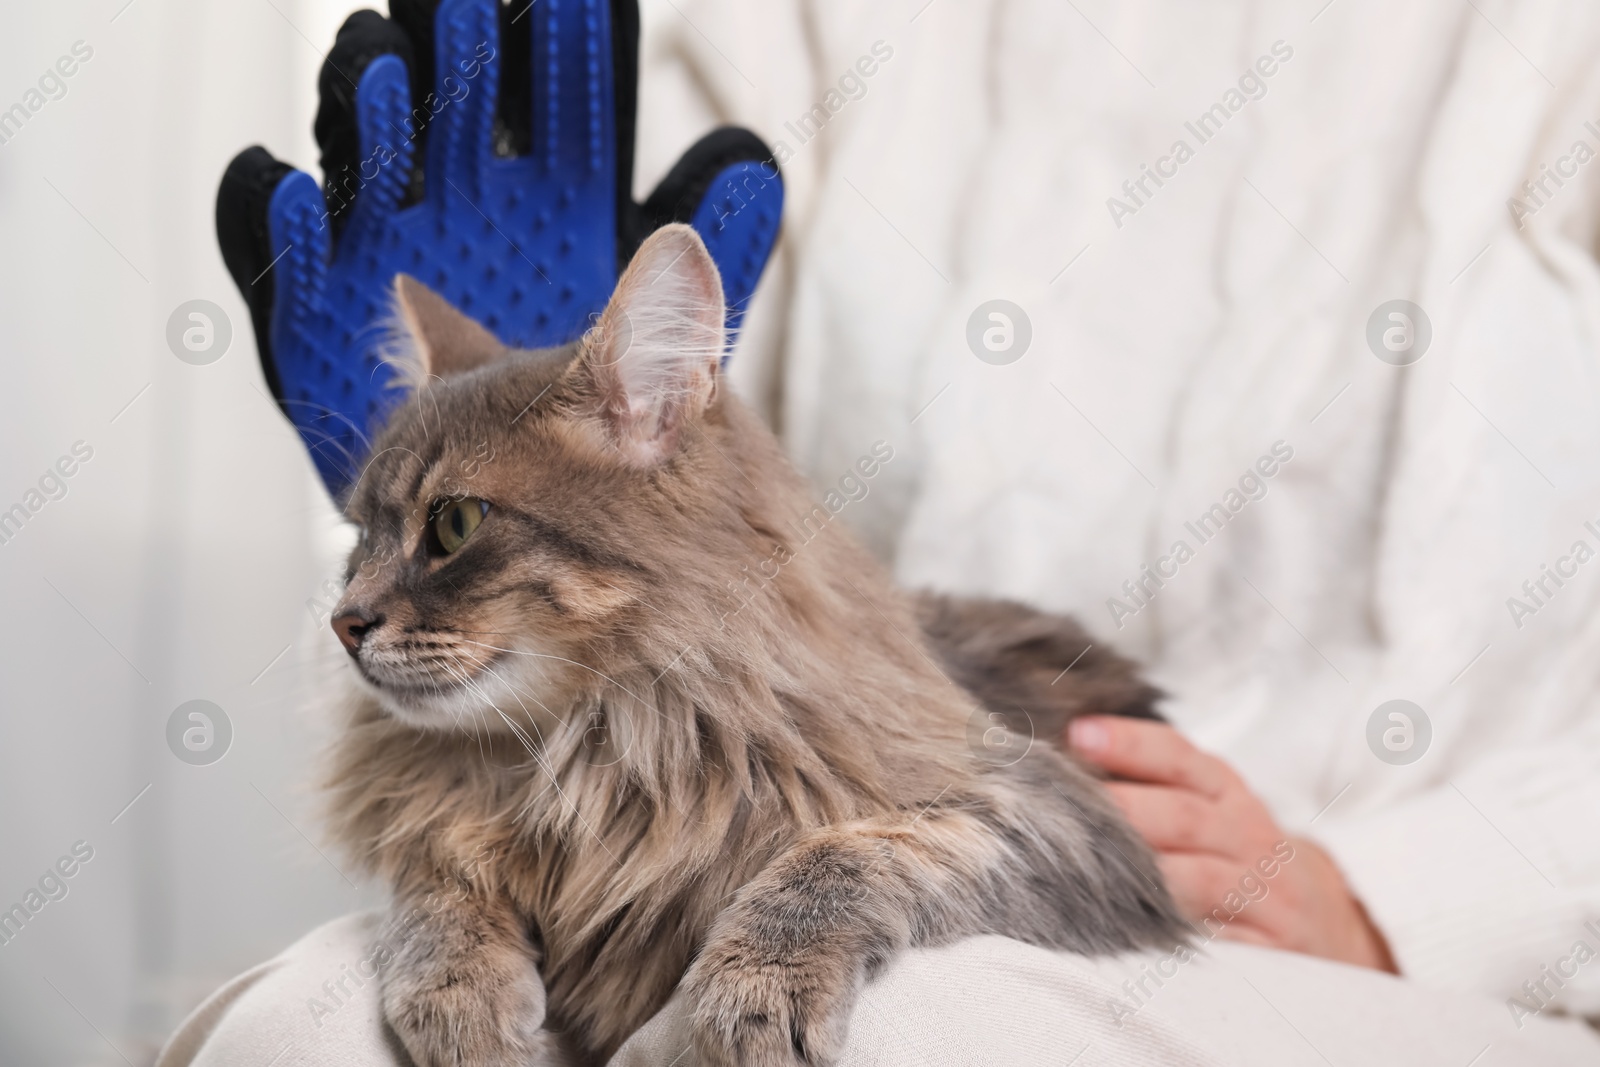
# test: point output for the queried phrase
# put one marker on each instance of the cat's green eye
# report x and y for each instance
(454, 521)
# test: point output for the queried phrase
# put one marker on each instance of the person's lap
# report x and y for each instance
(985, 1000)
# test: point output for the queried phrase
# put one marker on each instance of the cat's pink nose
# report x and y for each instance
(352, 627)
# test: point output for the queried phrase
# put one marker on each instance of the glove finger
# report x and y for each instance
(242, 203)
(728, 187)
(462, 106)
(583, 65)
(383, 100)
(299, 235)
(625, 101)
(363, 105)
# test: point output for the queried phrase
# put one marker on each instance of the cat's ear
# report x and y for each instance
(652, 358)
(446, 342)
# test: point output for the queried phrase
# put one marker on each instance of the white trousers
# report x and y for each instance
(983, 1001)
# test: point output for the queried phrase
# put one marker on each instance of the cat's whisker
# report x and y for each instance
(659, 713)
(545, 763)
(468, 682)
(549, 770)
(355, 484)
(541, 758)
(476, 714)
(575, 663)
(432, 396)
(322, 439)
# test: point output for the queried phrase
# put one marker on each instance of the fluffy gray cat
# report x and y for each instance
(590, 785)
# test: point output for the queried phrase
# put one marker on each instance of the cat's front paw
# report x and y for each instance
(748, 1011)
(486, 1011)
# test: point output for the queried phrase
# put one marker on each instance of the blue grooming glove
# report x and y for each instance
(486, 149)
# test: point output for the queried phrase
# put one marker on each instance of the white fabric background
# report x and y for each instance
(1227, 314)
(1220, 318)
(189, 541)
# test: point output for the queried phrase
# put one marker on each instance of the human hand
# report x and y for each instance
(486, 149)
(1229, 865)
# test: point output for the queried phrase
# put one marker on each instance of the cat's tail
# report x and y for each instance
(1036, 670)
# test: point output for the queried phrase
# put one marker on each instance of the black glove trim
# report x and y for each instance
(680, 193)
(625, 97)
(365, 37)
(242, 199)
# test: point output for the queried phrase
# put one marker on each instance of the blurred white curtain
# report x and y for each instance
(178, 563)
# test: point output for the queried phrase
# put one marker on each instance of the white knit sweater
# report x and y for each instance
(1182, 328)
